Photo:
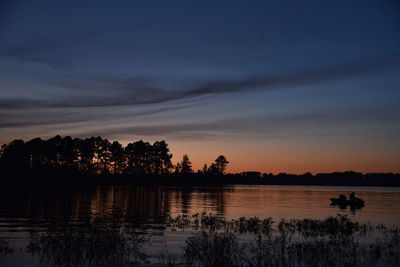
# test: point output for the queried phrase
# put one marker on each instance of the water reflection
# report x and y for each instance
(142, 204)
(36, 218)
(353, 208)
(154, 204)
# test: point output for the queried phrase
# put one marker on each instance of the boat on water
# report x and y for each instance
(343, 202)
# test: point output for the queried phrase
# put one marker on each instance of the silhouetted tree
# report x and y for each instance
(86, 154)
(53, 151)
(34, 149)
(14, 155)
(219, 166)
(69, 153)
(102, 155)
(63, 158)
(138, 156)
(117, 158)
(178, 168)
(3, 147)
(185, 166)
(205, 169)
(161, 158)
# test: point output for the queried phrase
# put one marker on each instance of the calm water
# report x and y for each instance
(23, 212)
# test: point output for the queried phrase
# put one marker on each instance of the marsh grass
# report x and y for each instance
(214, 241)
(334, 241)
(97, 244)
(215, 249)
(166, 258)
(5, 249)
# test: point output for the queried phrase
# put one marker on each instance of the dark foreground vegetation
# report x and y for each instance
(97, 161)
(212, 241)
(334, 241)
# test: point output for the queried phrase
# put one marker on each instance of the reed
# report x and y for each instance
(5, 249)
(214, 241)
(98, 244)
(334, 241)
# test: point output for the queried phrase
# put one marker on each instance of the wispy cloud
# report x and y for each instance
(39, 47)
(60, 117)
(122, 92)
(279, 126)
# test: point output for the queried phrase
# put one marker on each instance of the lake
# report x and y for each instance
(23, 212)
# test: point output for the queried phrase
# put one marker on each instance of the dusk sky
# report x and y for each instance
(275, 86)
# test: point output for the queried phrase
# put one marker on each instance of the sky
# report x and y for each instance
(275, 86)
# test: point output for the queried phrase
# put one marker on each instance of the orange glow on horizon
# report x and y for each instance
(281, 155)
(278, 158)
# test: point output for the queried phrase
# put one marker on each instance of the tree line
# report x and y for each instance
(98, 156)
(92, 161)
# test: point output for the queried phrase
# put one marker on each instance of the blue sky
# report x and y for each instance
(274, 85)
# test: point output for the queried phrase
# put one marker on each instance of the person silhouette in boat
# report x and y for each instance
(352, 197)
(353, 201)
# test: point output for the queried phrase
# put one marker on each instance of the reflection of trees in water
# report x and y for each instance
(138, 203)
(214, 199)
(142, 204)
(84, 205)
(39, 203)
(154, 203)
(95, 226)
(100, 243)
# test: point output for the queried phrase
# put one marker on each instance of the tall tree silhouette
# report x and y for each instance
(185, 166)
(138, 155)
(14, 155)
(219, 166)
(86, 154)
(69, 153)
(117, 158)
(67, 158)
(204, 170)
(161, 158)
(53, 150)
(34, 149)
(102, 155)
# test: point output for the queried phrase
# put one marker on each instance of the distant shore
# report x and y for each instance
(42, 177)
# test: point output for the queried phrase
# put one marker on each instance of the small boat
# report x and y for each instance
(356, 202)
(343, 202)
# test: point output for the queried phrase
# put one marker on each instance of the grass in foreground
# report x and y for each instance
(334, 241)
(213, 241)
